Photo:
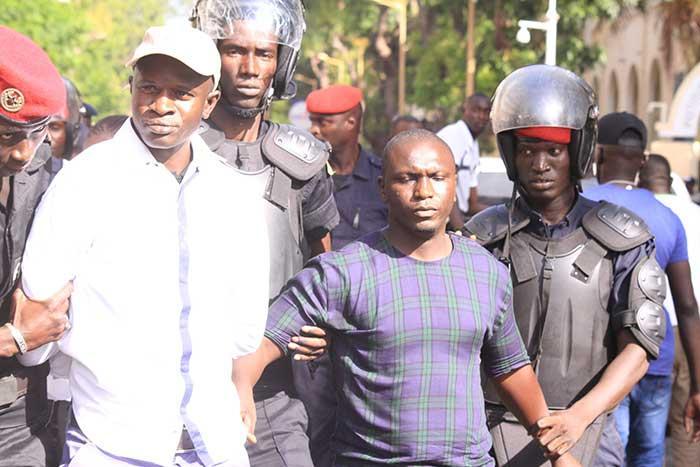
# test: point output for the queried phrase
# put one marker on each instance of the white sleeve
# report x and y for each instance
(476, 161)
(60, 234)
(252, 278)
(38, 355)
(57, 238)
(452, 140)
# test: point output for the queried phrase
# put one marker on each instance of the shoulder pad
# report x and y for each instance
(491, 225)
(645, 317)
(294, 151)
(213, 137)
(617, 228)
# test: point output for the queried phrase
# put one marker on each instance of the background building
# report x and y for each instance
(639, 75)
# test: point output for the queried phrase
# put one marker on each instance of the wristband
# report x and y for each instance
(18, 337)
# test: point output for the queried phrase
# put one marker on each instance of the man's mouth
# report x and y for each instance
(248, 91)
(542, 184)
(159, 128)
(424, 212)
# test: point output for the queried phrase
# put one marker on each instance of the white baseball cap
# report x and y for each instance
(183, 43)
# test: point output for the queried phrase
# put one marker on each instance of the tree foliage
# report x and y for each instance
(88, 40)
(436, 57)
(355, 41)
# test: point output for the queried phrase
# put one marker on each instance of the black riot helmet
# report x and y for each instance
(283, 18)
(546, 96)
(71, 116)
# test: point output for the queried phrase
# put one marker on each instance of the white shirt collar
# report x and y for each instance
(134, 148)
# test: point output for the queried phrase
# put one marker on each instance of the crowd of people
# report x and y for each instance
(197, 285)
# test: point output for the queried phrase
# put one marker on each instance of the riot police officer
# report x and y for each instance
(587, 290)
(259, 43)
(31, 91)
(64, 128)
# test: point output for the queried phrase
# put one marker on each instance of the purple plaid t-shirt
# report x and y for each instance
(408, 340)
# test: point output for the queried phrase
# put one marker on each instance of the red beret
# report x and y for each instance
(30, 86)
(334, 99)
(546, 133)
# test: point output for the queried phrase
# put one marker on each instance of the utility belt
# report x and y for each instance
(17, 381)
(12, 388)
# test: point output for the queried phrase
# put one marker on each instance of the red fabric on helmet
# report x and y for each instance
(546, 133)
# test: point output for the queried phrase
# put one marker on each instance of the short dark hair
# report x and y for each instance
(656, 166)
(405, 118)
(412, 135)
(474, 97)
(107, 126)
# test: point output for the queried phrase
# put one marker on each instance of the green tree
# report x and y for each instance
(88, 40)
(436, 58)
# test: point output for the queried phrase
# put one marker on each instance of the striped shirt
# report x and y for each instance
(408, 338)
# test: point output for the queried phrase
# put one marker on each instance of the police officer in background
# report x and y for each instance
(336, 117)
(587, 290)
(65, 127)
(31, 91)
(259, 42)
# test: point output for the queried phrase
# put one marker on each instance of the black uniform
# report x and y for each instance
(290, 166)
(24, 408)
(575, 285)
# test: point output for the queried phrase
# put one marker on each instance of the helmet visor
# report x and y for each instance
(542, 96)
(280, 21)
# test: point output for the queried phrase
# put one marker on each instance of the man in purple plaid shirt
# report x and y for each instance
(412, 312)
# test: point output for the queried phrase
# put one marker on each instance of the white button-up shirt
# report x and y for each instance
(465, 150)
(171, 284)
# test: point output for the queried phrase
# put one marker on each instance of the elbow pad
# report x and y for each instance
(645, 317)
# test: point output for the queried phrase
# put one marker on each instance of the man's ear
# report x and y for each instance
(210, 103)
(131, 84)
(351, 121)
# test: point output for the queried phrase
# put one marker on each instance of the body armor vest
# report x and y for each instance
(284, 159)
(561, 288)
(281, 161)
(561, 292)
(284, 228)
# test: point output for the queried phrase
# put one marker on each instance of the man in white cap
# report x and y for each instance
(166, 290)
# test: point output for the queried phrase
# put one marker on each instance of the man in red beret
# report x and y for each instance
(336, 117)
(31, 90)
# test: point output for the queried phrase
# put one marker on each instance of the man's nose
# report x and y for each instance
(23, 151)
(315, 130)
(540, 162)
(424, 188)
(163, 104)
(249, 65)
